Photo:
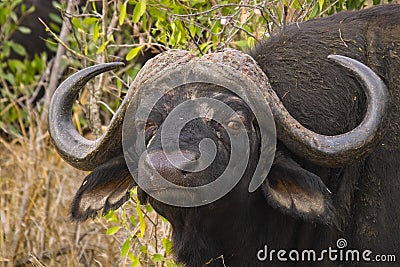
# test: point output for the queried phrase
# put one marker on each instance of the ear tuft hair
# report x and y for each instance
(297, 191)
(107, 188)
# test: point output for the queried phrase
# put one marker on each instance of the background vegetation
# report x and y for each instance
(36, 185)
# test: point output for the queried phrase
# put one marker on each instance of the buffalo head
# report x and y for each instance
(287, 186)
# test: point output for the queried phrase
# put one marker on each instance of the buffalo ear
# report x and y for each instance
(106, 187)
(297, 191)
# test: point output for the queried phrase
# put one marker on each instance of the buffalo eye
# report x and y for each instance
(236, 123)
(148, 125)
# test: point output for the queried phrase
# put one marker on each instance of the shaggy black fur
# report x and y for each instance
(326, 98)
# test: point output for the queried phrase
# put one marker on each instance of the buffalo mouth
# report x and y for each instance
(157, 163)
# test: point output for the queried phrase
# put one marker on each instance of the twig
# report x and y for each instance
(192, 38)
(216, 8)
(244, 30)
(340, 36)
(107, 107)
(61, 41)
(56, 70)
(326, 9)
(140, 44)
(96, 91)
(42, 84)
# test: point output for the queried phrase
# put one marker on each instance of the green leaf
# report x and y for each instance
(38, 63)
(102, 47)
(143, 249)
(57, 5)
(144, 22)
(23, 8)
(149, 208)
(171, 264)
(135, 262)
(192, 30)
(125, 247)
(122, 13)
(10, 78)
(77, 24)
(206, 46)
(19, 49)
(176, 35)
(133, 53)
(321, 4)
(119, 86)
(139, 10)
(56, 18)
(243, 44)
(113, 230)
(54, 27)
(90, 20)
(158, 257)
(14, 17)
(251, 42)
(96, 32)
(142, 223)
(111, 216)
(164, 220)
(158, 14)
(6, 48)
(167, 244)
(110, 38)
(24, 30)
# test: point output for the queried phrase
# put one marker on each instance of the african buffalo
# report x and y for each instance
(335, 171)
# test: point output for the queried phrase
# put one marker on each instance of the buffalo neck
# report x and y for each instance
(240, 232)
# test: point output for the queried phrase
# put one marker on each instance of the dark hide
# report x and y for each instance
(362, 206)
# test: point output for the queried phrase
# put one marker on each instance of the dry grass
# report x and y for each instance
(36, 190)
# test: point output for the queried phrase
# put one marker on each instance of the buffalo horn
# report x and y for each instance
(86, 154)
(338, 150)
(346, 148)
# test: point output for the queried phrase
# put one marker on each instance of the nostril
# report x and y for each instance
(159, 162)
(184, 172)
(189, 156)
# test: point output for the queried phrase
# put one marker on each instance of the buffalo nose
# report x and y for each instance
(157, 161)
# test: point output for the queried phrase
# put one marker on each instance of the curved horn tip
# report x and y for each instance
(117, 63)
(73, 148)
(346, 61)
(107, 66)
(114, 65)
